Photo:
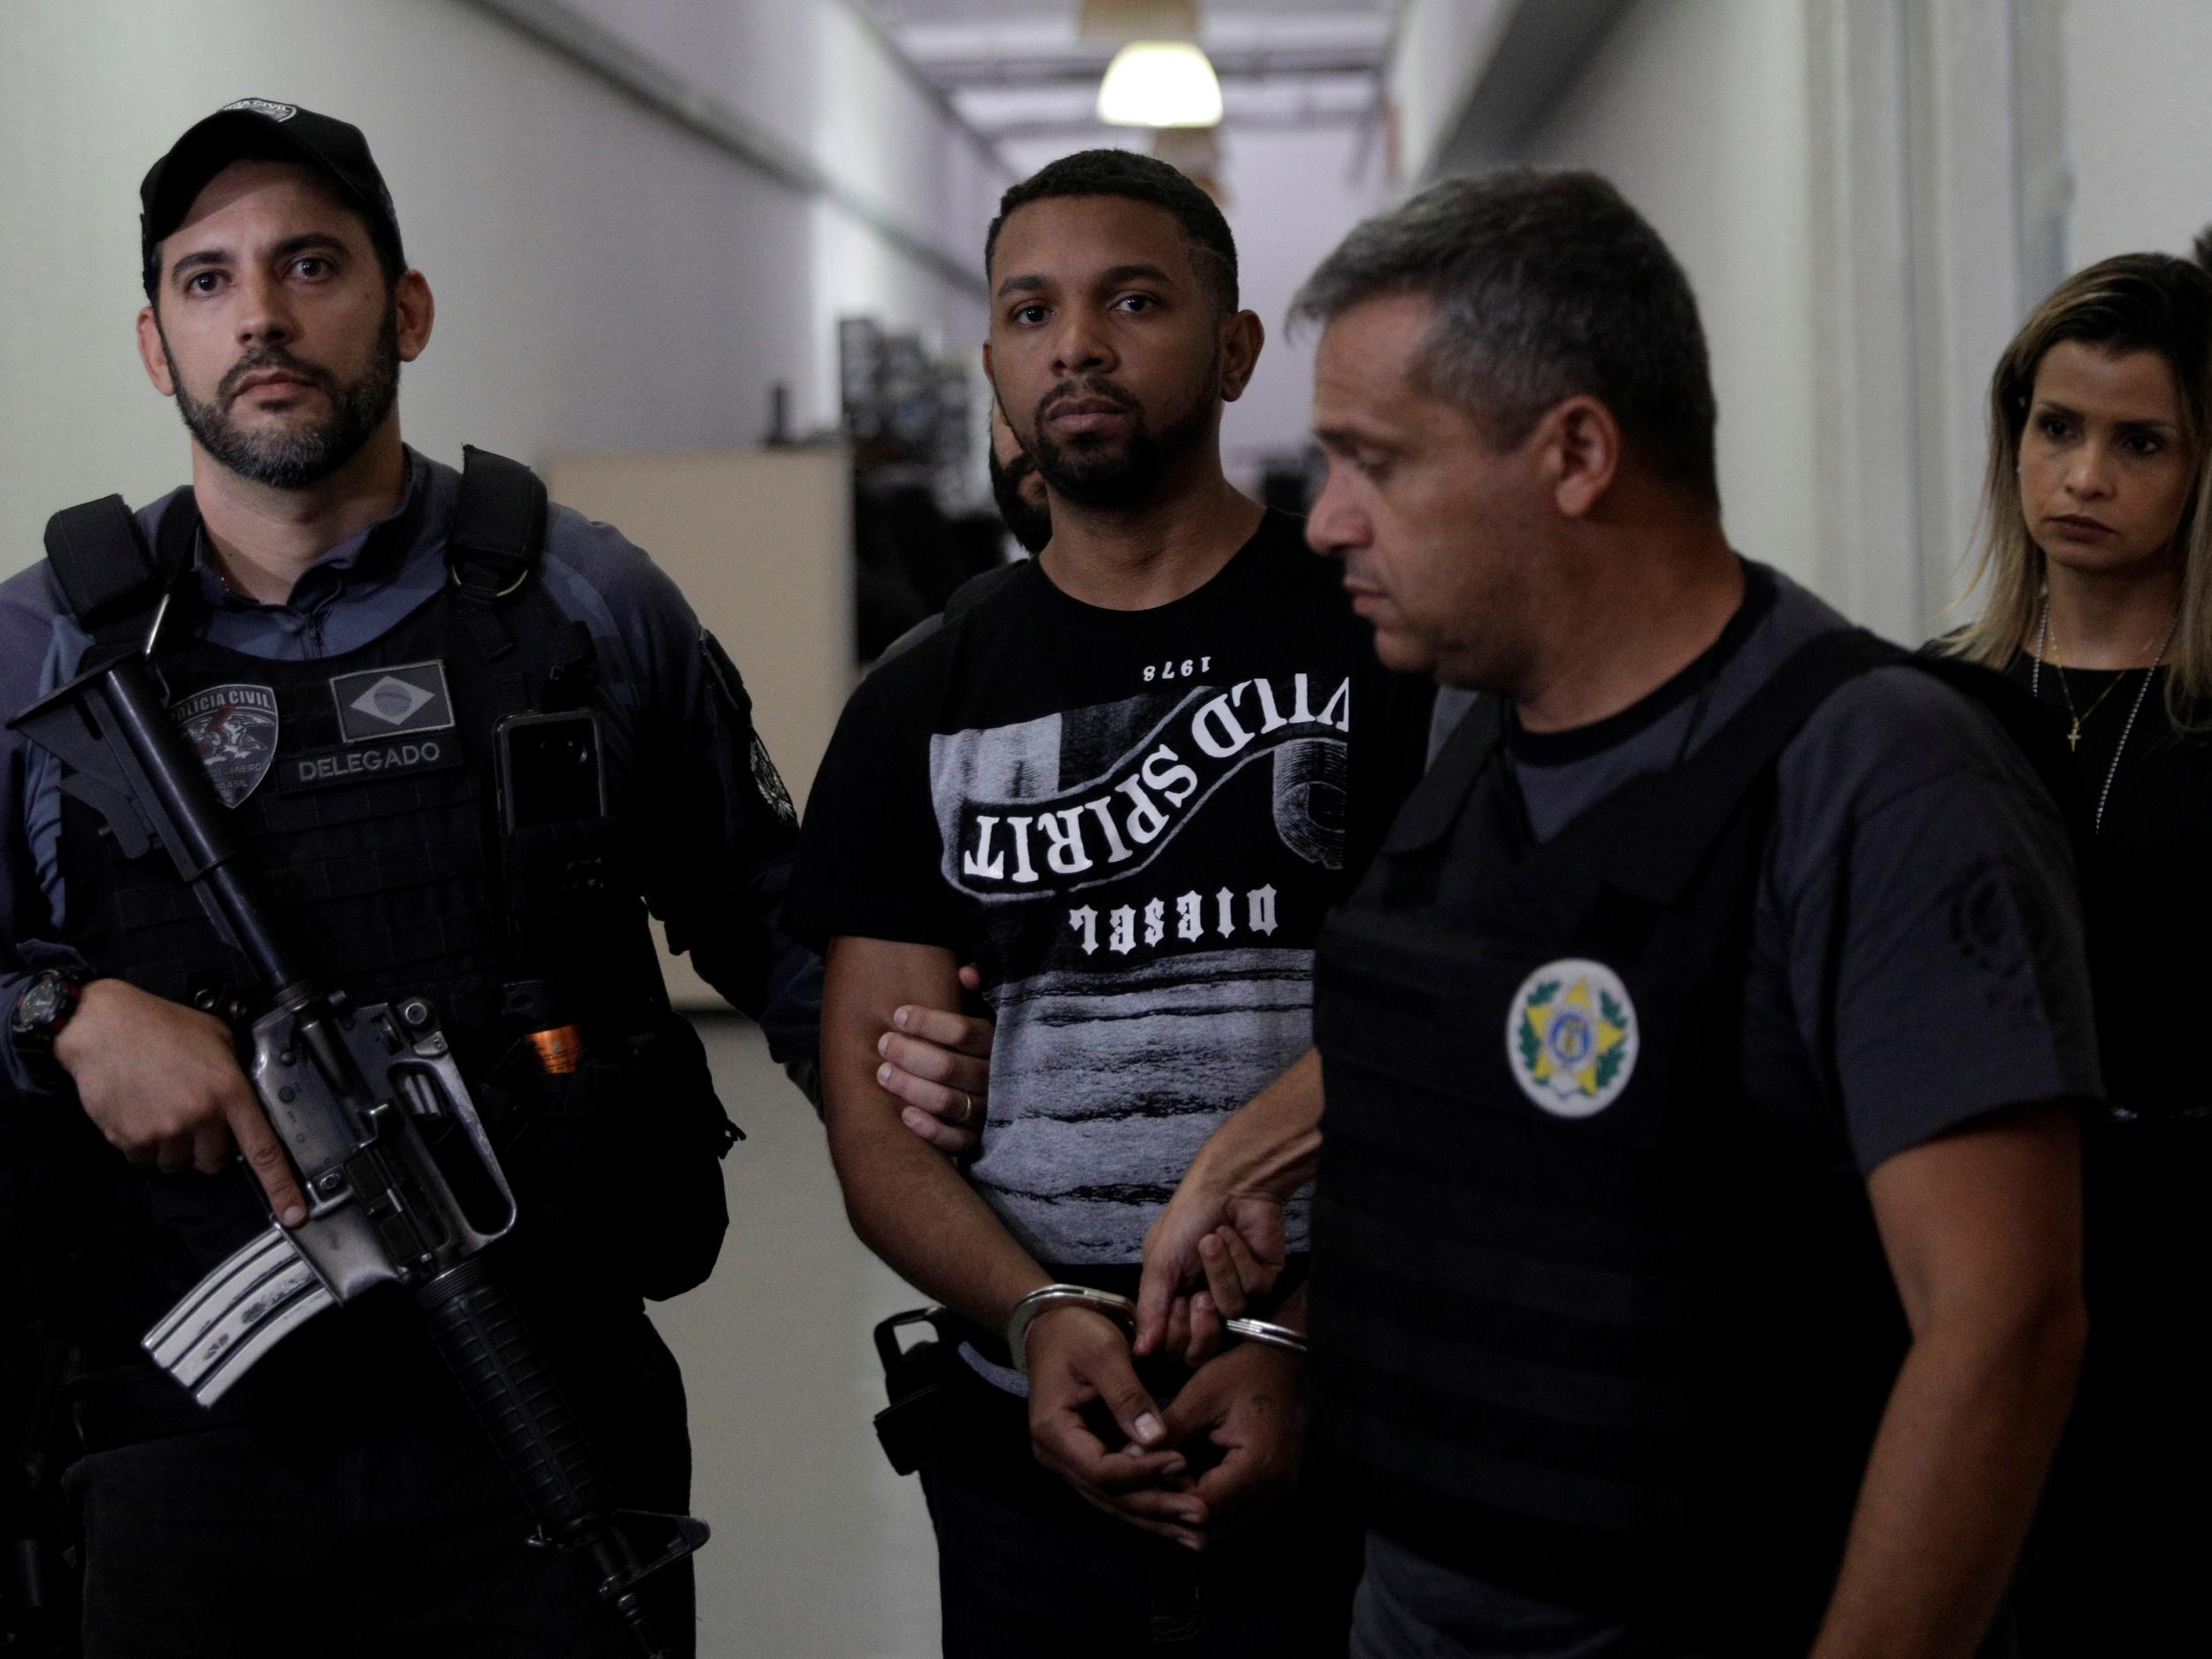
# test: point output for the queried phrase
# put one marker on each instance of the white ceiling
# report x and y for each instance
(898, 13)
(1017, 68)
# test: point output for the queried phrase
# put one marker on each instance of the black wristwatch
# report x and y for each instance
(43, 1010)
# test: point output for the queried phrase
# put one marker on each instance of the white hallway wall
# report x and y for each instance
(1696, 109)
(605, 281)
(1440, 43)
(1868, 195)
(2138, 128)
(1293, 196)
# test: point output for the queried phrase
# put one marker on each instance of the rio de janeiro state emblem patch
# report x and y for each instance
(1571, 1037)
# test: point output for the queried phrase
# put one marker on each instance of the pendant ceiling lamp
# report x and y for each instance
(1160, 78)
(1160, 83)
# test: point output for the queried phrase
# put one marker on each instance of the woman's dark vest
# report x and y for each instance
(1586, 1321)
(374, 814)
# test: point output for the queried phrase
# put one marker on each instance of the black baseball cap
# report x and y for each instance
(262, 129)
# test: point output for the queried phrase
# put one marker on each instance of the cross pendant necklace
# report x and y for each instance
(2046, 638)
(2043, 645)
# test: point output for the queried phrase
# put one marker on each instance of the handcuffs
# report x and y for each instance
(1123, 1313)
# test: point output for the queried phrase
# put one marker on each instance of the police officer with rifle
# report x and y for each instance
(344, 762)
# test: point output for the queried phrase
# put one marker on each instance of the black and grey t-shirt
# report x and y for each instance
(1132, 822)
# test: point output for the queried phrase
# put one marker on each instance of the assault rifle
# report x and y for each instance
(376, 1118)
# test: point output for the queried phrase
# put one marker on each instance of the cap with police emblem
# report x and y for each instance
(262, 129)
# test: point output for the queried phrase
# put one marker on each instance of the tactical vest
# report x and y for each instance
(363, 785)
(1586, 1321)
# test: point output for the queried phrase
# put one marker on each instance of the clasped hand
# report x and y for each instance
(1223, 1452)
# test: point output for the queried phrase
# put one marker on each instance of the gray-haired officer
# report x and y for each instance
(350, 628)
(1698, 1235)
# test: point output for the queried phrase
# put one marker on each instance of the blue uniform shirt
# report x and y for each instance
(719, 886)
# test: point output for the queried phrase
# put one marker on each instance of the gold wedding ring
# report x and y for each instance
(967, 1111)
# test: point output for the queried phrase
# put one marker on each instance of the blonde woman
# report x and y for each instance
(2096, 575)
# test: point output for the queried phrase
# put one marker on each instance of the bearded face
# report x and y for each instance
(277, 325)
(1118, 462)
(320, 435)
(1109, 348)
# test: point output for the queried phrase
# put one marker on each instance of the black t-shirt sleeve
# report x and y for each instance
(1935, 944)
(870, 846)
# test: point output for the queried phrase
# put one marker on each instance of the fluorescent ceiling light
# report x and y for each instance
(1160, 83)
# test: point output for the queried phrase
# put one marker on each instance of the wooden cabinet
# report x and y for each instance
(761, 543)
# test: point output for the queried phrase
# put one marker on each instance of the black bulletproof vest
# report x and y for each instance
(1587, 1322)
(380, 850)
(383, 854)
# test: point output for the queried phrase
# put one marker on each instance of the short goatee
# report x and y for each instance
(302, 456)
(1132, 476)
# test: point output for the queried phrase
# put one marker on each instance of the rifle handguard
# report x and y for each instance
(520, 1408)
(517, 1402)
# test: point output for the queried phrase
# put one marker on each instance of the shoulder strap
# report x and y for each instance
(1698, 800)
(106, 571)
(1434, 805)
(1659, 826)
(964, 599)
(499, 526)
(976, 588)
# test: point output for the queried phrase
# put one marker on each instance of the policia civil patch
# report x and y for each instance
(233, 730)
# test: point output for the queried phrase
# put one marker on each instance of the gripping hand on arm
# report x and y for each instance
(1219, 1244)
(938, 1063)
